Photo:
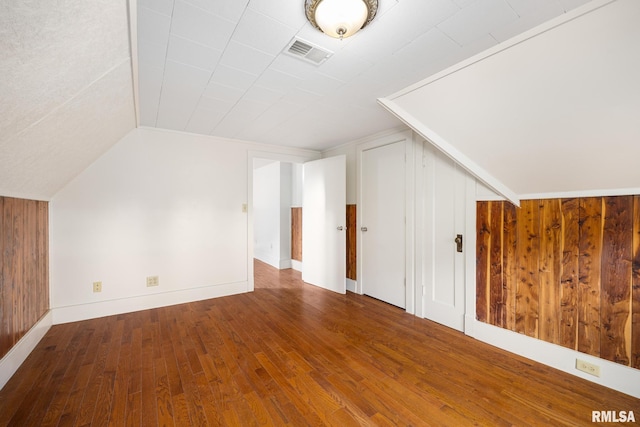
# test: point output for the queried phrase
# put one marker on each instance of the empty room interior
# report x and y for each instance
(320, 212)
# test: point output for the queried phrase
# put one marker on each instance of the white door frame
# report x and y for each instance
(254, 154)
(408, 138)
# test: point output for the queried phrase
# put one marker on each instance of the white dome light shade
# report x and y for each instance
(340, 18)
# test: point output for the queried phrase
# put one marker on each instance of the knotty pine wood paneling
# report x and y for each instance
(351, 241)
(566, 271)
(296, 233)
(24, 276)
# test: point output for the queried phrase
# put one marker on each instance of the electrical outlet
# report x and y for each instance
(97, 286)
(587, 367)
(152, 281)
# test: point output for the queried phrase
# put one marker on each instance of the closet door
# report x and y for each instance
(383, 223)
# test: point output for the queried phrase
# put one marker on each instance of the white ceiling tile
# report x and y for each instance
(527, 7)
(239, 118)
(174, 112)
(263, 33)
(345, 65)
(526, 22)
(300, 97)
(162, 6)
(149, 87)
(463, 3)
(153, 54)
(320, 84)
(245, 58)
(230, 10)
(289, 13)
(277, 80)
(184, 75)
(272, 117)
(262, 94)
(232, 77)
(201, 26)
(203, 120)
(215, 104)
(222, 92)
(153, 26)
(192, 53)
(377, 44)
(293, 66)
(477, 20)
(414, 17)
(572, 4)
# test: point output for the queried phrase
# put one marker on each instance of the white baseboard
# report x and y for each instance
(285, 263)
(612, 375)
(296, 265)
(76, 313)
(10, 363)
(351, 285)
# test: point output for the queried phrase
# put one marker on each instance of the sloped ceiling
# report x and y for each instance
(66, 92)
(217, 67)
(555, 111)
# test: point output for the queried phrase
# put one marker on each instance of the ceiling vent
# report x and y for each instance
(308, 52)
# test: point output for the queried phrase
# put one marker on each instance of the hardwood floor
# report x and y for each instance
(287, 354)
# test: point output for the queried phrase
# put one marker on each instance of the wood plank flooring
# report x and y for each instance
(287, 354)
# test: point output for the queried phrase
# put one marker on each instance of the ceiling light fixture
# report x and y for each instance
(340, 18)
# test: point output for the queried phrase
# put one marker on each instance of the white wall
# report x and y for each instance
(272, 214)
(296, 184)
(266, 213)
(159, 203)
(285, 214)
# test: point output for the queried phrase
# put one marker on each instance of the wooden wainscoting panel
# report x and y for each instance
(24, 284)
(497, 313)
(590, 268)
(617, 240)
(352, 224)
(635, 297)
(510, 263)
(566, 271)
(569, 277)
(296, 233)
(5, 303)
(527, 255)
(550, 269)
(483, 246)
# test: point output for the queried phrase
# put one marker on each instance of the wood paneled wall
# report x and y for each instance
(351, 241)
(24, 267)
(566, 271)
(296, 233)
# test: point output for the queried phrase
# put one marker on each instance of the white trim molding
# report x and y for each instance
(613, 375)
(75, 313)
(10, 363)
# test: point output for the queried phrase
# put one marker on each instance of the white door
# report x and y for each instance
(323, 223)
(443, 267)
(383, 223)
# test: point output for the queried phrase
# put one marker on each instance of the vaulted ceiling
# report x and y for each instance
(77, 75)
(220, 67)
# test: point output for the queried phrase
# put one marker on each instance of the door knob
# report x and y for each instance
(458, 241)
(340, 228)
(363, 228)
